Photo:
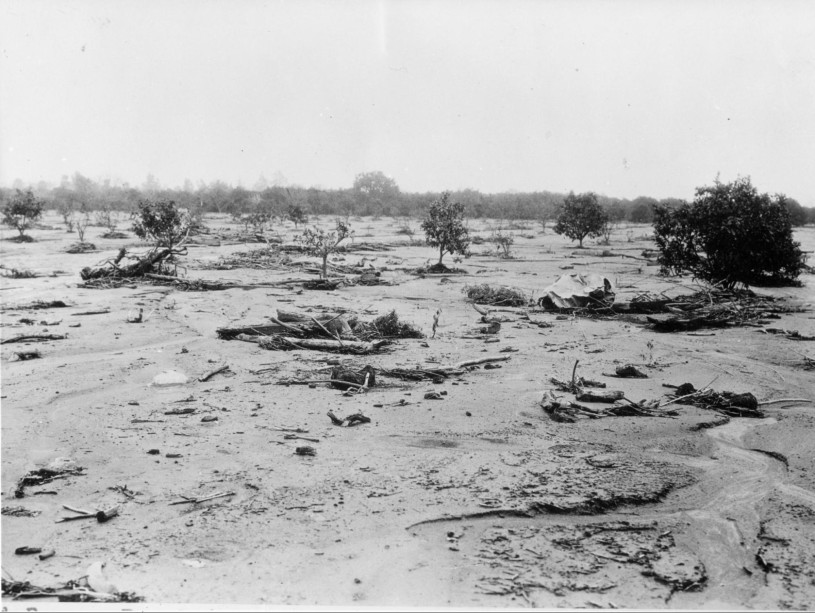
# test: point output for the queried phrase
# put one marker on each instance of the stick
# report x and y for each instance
(475, 362)
(100, 312)
(197, 500)
(574, 371)
(207, 376)
(75, 510)
(287, 326)
(326, 331)
(766, 402)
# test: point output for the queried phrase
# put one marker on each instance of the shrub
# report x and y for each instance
(22, 211)
(81, 223)
(581, 216)
(320, 243)
(730, 234)
(162, 222)
(503, 242)
(444, 227)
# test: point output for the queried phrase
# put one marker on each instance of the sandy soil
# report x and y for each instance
(475, 500)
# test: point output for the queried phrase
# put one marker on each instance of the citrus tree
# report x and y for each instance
(580, 216)
(444, 227)
(22, 211)
(730, 234)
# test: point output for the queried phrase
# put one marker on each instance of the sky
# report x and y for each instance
(625, 98)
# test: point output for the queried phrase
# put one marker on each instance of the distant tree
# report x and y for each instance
(642, 210)
(376, 190)
(581, 216)
(444, 227)
(798, 214)
(107, 218)
(730, 234)
(320, 243)
(162, 222)
(296, 214)
(22, 211)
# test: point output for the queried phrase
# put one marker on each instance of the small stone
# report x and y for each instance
(153, 451)
(468, 414)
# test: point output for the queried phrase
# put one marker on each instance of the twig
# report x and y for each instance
(766, 402)
(209, 375)
(197, 500)
(574, 372)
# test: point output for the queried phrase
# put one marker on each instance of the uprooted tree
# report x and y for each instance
(444, 227)
(730, 234)
(22, 211)
(318, 242)
(581, 216)
(160, 222)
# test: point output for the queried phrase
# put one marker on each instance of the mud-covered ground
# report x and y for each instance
(475, 500)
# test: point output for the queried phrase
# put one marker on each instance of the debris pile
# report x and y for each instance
(728, 403)
(495, 296)
(578, 291)
(342, 333)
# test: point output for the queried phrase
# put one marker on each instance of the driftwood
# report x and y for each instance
(212, 373)
(28, 338)
(279, 342)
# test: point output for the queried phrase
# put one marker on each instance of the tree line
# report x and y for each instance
(372, 194)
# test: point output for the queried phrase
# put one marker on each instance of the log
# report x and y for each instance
(609, 396)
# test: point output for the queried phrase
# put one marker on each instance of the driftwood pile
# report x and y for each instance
(338, 333)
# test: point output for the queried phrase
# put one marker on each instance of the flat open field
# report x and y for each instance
(476, 499)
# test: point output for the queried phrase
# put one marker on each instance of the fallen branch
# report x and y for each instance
(779, 400)
(27, 338)
(211, 374)
(466, 363)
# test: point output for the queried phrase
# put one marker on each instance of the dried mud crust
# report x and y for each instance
(604, 560)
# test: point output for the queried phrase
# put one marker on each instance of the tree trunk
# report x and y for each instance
(441, 254)
(325, 266)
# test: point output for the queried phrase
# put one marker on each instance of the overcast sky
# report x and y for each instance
(625, 98)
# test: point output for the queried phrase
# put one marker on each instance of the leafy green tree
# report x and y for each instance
(580, 216)
(162, 222)
(22, 211)
(320, 243)
(444, 227)
(730, 234)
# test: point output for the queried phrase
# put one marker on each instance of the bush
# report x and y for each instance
(22, 211)
(503, 242)
(581, 216)
(444, 227)
(162, 222)
(730, 234)
(320, 243)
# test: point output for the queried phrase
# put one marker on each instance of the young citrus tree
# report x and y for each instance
(162, 222)
(581, 216)
(730, 234)
(444, 227)
(22, 211)
(320, 243)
